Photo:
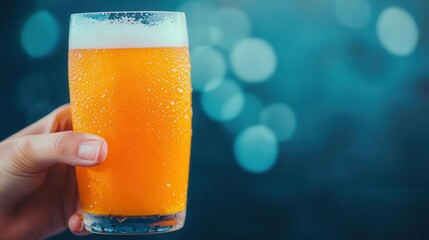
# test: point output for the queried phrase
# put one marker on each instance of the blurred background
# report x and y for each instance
(310, 117)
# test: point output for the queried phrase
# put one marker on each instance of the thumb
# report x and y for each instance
(35, 153)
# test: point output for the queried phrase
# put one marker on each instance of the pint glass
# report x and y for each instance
(129, 80)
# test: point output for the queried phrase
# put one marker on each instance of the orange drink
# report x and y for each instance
(129, 79)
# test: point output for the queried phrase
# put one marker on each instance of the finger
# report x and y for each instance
(35, 153)
(58, 120)
(76, 225)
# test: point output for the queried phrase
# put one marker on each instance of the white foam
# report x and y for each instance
(89, 33)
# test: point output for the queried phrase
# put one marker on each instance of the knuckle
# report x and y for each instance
(21, 159)
(23, 150)
(60, 144)
(65, 142)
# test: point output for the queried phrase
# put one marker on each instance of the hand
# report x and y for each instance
(38, 190)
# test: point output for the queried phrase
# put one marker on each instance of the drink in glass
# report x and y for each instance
(129, 79)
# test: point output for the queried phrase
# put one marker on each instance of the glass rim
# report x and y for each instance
(128, 12)
(127, 28)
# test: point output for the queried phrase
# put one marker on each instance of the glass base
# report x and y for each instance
(133, 225)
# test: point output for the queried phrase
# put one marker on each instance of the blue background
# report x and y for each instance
(354, 162)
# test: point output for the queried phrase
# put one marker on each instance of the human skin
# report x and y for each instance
(38, 190)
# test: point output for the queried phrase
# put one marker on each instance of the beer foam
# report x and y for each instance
(89, 32)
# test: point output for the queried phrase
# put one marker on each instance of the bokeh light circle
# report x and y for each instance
(208, 64)
(253, 60)
(397, 31)
(353, 13)
(281, 119)
(228, 26)
(40, 34)
(223, 102)
(256, 149)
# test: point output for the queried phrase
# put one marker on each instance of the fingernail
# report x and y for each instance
(89, 149)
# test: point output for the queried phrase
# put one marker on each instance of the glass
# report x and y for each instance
(129, 79)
